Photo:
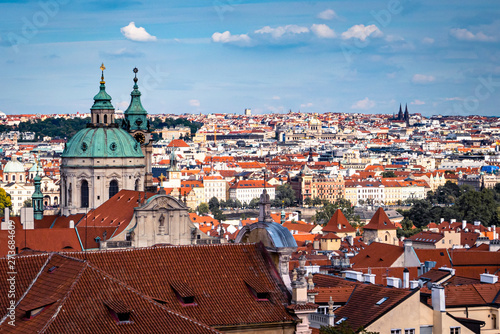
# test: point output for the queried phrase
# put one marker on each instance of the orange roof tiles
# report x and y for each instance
(338, 224)
(380, 221)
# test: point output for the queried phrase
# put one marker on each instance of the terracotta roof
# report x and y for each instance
(361, 310)
(380, 221)
(473, 294)
(377, 255)
(440, 256)
(426, 237)
(178, 143)
(215, 273)
(79, 298)
(339, 294)
(338, 224)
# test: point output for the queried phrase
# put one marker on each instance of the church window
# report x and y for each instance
(84, 193)
(137, 185)
(113, 188)
(13, 177)
(97, 118)
(106, 119)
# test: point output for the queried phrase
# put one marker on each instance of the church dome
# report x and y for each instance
(102, 142)
(14, 166)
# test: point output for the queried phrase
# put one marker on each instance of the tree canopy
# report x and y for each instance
(323, 215)
(284, 196)
(5, 201)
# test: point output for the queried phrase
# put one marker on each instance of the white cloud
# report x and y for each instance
(226, 37)
(422, 79)
(138, 34)
(418, 102)
(306, 105)
(322, 31)
(361, 32)
(364, 104)
(327, 14)
(466, 35)
(428, 40)
(276, 97)
(290, 29)
(194, 103)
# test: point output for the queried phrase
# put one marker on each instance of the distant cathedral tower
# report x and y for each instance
(101, 159)
(137, 124)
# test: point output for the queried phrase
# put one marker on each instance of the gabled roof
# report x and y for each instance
(377, 255)
(80, 298)
(178, 143)
(472, 294)
(380, 221)
(365, 306)
(338, 224)
(203, 268)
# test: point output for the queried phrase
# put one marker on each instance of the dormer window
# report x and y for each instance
(34, 311)
(184, 293)
(258, 290)
(119, 311)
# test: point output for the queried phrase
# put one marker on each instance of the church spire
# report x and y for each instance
(37, 198)
(103, 112)
(136, 115)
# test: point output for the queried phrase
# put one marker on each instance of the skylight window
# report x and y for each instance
(381, 301)
(341, 320)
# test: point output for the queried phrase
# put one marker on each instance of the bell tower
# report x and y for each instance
(137, 124)
(102, 112)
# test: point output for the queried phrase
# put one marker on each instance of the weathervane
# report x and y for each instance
(102, 73)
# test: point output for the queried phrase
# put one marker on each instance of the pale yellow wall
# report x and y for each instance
(412, 314)
(450, 238)
(490, 315)
(330, 244)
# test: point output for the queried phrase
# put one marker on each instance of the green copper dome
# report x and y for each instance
(106, 142)
(102, 101)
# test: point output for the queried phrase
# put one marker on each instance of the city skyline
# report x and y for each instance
(270, 56)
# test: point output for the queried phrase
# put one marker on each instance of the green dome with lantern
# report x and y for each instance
(102, 139)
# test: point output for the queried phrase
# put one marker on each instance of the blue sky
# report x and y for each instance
(271, 56)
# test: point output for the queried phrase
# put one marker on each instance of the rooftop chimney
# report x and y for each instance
(441, 220)
(5, 222)
(438, 298)
(369, 278)
(406, 278)
(27, 218)
(413, 285)
(489, 278)
(354, 275)
(394, 282)
(71, 224)
(464, 224)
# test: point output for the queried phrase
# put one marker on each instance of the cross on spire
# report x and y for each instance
(102, 73)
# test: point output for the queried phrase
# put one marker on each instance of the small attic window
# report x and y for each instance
(258, 290)
(381, 301)
(120, 312)
(184, 293)
(52, 269)
(341, 320)
(30, 314)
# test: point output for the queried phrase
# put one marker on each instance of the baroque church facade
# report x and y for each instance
(105, 157)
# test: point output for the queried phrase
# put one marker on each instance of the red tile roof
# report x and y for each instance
(338, 224)
(215, 273)
(380, 221)
(377, 255)
(178, 143)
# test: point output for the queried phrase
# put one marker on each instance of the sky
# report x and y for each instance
(222, 56)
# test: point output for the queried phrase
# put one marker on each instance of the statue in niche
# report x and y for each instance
(161, 226)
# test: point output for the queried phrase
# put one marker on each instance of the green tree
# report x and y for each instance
(317, 201)
(5, 201)
(27, 203)
(284, 195)
(323, 215)
(203, 209)
(389, 173)
(254, 203)
(478, 205)
(419, 213)
(308, 201)
(213, 204)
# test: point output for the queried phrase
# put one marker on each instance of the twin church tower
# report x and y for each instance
(106, 156)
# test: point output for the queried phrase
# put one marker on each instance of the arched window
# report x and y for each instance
(113, 188)
(106, 119)
(386, 237)
(21, 178)
(97, 119)
(137, 185)
(13, 177)
(85, 194)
